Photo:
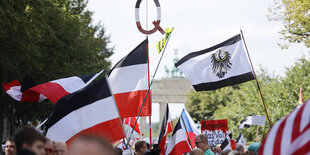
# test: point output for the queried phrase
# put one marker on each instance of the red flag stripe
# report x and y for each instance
(180, 148)
(53, 91)
(130, 103)
(7, 86)
(110, 130)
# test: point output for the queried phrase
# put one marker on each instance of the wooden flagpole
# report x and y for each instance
(260, 92)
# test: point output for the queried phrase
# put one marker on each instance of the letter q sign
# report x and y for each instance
(155, 23)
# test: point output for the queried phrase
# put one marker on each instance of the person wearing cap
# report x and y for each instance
(253, 148)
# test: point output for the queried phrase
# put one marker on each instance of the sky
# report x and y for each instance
(198, 25)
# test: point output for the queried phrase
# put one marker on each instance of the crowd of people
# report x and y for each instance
(29, 141)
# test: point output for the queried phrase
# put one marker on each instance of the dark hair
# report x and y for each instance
(139, 145)
(27, 135)
(11, 139)
(118, 151)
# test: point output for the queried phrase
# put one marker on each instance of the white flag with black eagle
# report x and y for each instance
(222, 65)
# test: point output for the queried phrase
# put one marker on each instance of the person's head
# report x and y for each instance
(140, 147)
(253, 148)
(234, 152)
(118, 151)
(90, 145)
(225, 152)
(10, 147)
(201, 141)
(196, 151)
(60, 148)
(30, 139)
(239, 148)
(49, 147)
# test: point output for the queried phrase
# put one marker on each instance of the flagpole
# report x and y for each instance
(120, 119)
(150, 99)
(148, 90)
(260, 92)
(94, 77)
(188, 139)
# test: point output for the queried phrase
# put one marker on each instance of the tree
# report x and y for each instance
(48, 40)
(295, 17)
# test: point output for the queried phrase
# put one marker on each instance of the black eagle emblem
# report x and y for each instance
(221, 63)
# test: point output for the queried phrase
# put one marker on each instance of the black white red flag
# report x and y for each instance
(166, 127)
(222, 65)
(289, 136)
(178, 144)
(91, 110)
(53, 90)
(129, 82)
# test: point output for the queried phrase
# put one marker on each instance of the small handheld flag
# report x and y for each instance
(166, 128)
(161, 44)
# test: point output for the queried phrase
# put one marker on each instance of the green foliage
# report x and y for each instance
(47, 39)
(236, 103)
(295, 16)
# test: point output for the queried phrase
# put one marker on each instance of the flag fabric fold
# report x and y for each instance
(247, 122)
(130, 121)
(290, 135)
(166, 127)
(91, 110)
(178, 144)
(188, 124)
(219, 66)
(129, 83)
(241, 139)
(162, 43)
(53, 90)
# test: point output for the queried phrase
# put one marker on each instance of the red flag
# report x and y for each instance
(166, 127)
(290, 135)
(132, 121)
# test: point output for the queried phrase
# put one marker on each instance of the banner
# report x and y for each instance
(215, 130)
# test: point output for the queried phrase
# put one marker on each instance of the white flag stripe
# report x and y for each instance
(129, 78)
(238, 58)
(193, 125)
(83, 118)
(300, 141)
(15, 92)
(305, 119)
(71, 84)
